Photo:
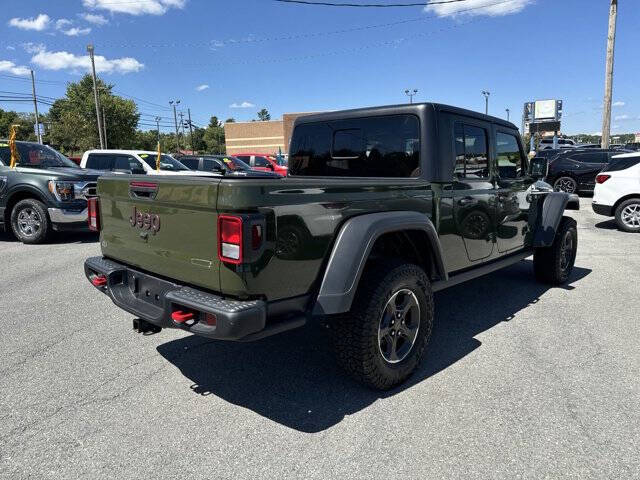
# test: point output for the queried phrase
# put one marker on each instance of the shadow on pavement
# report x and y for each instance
(607, 225)
(293, 379)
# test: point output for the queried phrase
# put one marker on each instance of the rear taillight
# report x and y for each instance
(602, 178)
(93, 209)
(230, 239)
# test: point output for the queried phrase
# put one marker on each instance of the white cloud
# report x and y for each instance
(62, 23)
(242, 105)
(622, 117)
(619, 104)
(140, 7)
(41, 22)
(31, 47)
(478, 7)
(69, 61)
(202, 87)
(76, 31)
(10, 47)
(96, 19)
(7, 66)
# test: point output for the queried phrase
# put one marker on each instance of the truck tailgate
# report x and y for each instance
(167, 226)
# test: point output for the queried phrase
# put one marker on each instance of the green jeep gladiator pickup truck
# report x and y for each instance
(381, 207)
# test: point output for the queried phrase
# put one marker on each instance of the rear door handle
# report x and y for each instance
(465, 201)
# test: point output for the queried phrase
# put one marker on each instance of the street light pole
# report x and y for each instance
(158, 124)
(508, 112)
(608, 78)
(35, 105)
(410, 94)
(95, 93)
(175, 120)
(486, 101)
(190, 129)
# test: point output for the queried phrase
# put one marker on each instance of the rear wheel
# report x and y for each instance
(554, 264)
(628, 215)
(382, 340)
(565, 184)
(29, 221)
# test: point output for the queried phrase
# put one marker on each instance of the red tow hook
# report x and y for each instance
(180, 317)
(99, 281)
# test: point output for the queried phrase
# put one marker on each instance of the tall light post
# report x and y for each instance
(608, 79)
(95, 93)
(486, 94)
(173, 103)
(410, 94)
(158, 124)
(508, 113)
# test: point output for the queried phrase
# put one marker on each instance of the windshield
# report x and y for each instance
(167, 162)
(233, 163)
(35, 156)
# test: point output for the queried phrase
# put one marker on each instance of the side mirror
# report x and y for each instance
(138, 171)
(539, 167)
(270, 167)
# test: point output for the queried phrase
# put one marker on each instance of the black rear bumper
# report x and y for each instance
(155, 300)
(605, 210)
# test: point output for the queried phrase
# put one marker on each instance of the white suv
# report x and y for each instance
(138, 162)
(617, 191)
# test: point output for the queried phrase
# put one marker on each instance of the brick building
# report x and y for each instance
(260, 137)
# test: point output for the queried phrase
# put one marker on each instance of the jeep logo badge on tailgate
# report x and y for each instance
(145, 221)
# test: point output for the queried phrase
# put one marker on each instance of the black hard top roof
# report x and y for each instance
(399, 108)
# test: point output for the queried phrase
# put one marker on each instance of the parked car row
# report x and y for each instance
(47, 191)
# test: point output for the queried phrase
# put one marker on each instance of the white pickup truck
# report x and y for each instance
(138, 162)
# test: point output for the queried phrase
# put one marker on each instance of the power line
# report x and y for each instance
(370, 5)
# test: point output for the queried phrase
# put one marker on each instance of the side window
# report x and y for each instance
(244, 158)
(472, 160)
(261, 161)
(126, 162)
(212, 165)
(192, 163)
(101, 161)
(510, 162)
(386, 146)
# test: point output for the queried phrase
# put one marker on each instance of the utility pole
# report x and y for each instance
(158, 124)
(608, 78)
(35, 105)
(95, 94)
(175, 120)
(104, 127)
(508, 112)
(410, 94)
(190, 129)
(486, 101)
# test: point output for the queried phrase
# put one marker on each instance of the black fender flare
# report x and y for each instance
(553, 207)
(352, 248)
(19, 190)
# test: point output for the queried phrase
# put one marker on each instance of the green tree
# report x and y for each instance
(213, 136)
(73, 118)
(25, 121)
(264, 115)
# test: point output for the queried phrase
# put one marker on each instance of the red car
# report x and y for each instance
(263, 161)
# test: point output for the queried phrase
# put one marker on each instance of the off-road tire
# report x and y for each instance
(42, 233)
(619, 211)
(355, 334)
(548, 261)
(562, 185)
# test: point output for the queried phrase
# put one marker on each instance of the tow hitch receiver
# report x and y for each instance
(181, 317)
(142, 326)
(99, 281)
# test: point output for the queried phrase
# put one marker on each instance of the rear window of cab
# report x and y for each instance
(384, 146)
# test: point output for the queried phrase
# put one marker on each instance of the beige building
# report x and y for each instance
(260, 137)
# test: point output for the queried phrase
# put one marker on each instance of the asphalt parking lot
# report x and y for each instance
(520, 381)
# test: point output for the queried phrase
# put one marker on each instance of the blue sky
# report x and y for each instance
(287, 58)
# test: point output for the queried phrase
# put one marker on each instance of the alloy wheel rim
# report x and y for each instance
(399, 325)
(565, 185)
(566, 251)
(29, 222)
(630, 215)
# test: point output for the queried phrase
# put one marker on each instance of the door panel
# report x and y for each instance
(474, 213)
